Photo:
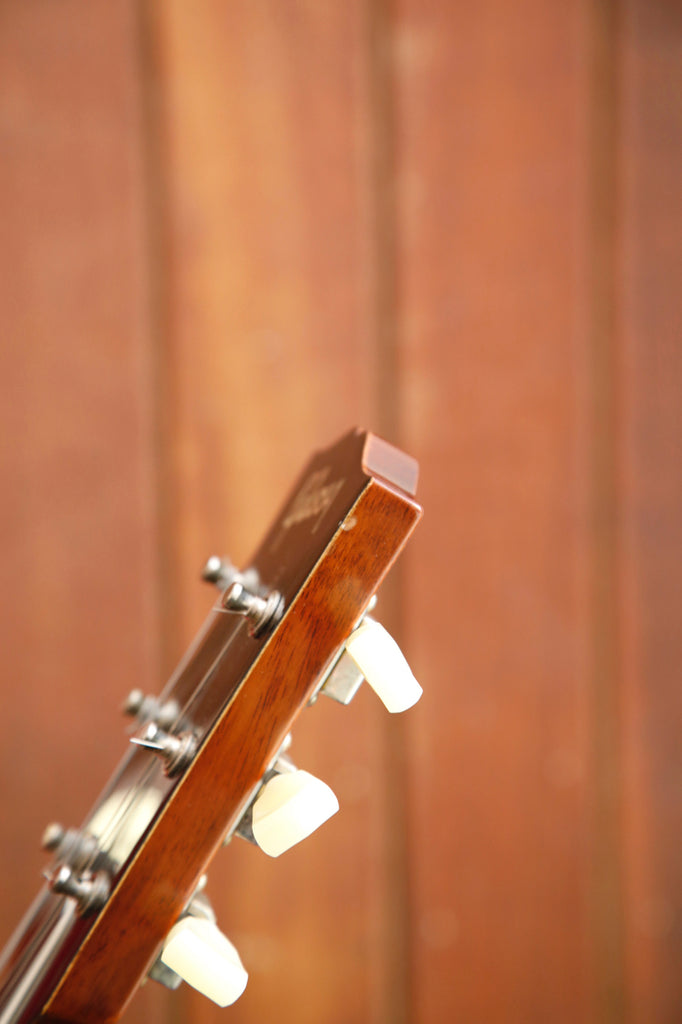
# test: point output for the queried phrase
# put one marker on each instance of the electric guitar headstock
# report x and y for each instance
(207, 759)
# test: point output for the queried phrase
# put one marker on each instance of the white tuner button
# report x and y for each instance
(383, 665)
(201, 955)
(288, 808)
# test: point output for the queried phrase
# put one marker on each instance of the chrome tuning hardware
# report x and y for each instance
(343, 680)
(243, 593)
(81, 871)
(222, 574)
(196, 951)
(371, 653)
(262, 611)
(72, 846)
(290, 805)
(145, 707)
(158, 718)
(176, 751)
(90, 889)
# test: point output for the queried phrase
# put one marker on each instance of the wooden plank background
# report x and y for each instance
(233, 230)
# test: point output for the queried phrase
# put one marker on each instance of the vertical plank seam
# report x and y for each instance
(610, 1000)
(157, 227)
(397, 995)
(155, 213)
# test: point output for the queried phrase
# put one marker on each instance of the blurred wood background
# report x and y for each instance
(229, 232)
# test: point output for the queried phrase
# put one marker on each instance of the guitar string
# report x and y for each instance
(153, 771)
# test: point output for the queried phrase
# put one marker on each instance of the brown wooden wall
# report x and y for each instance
(229, 232)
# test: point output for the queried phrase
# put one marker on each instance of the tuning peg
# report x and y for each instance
(383, 665)
(219, 571)
(53, 836)
(175, 751)
(145, 708)
(222, 573)
(90, 891)
(203, 957)
(289, 807)
(262, 611)
(73, 846)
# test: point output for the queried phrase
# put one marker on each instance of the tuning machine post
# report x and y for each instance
(72, 845)
(160, 730)
(222, 574)
(90, 890)
(263, 611)
(243, 593)
(145, 707)
(176, 751)
(81, 870)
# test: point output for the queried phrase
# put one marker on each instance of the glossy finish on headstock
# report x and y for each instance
(336, 537)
